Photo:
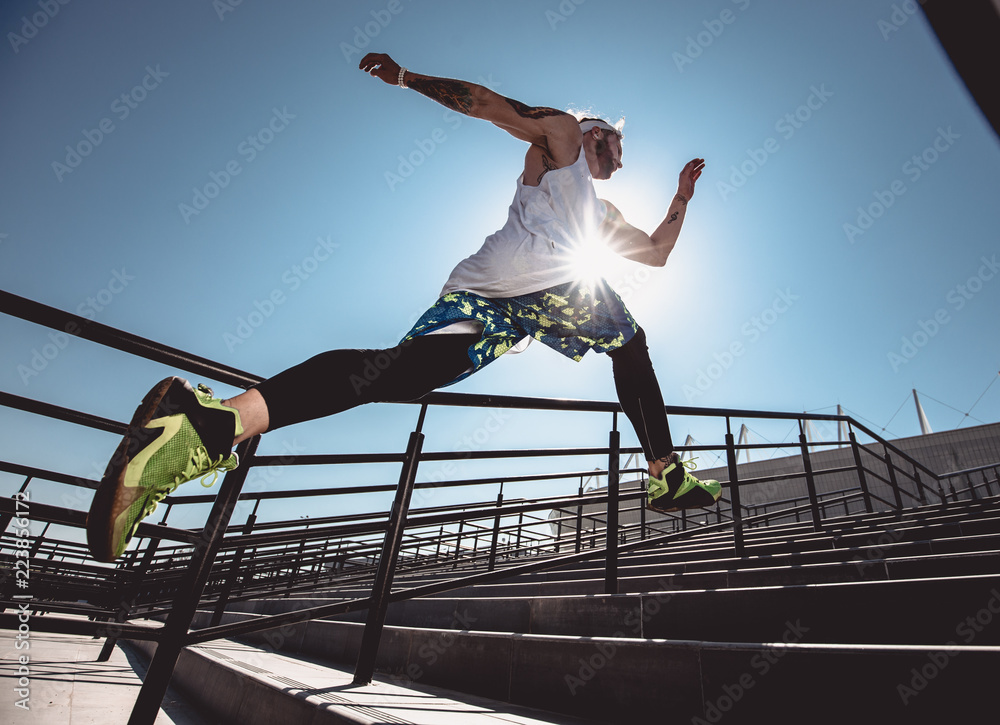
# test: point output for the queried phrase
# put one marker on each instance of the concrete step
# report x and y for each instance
(807, 548)
(895, 546)
(619, 679)
(914, 567)
(889, 536)
(890, 562)
(883, 612)
(234, 682)
(65, 684)
(793, 539)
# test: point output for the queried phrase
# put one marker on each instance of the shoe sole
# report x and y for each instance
(706, 501)
(100, 524)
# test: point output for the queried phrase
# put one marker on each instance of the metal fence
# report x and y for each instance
(369, 559)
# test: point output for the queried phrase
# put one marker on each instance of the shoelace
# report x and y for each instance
(151, 504)
(201, 462)
(689, 464)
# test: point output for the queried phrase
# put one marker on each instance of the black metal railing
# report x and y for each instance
(356, 559)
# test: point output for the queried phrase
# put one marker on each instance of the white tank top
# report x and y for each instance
(534, 250)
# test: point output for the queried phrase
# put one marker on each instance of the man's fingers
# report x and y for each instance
(694, 168)
(372, 61)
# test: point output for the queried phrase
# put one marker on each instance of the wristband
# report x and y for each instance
(399, 81)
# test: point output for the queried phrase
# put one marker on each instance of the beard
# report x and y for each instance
(604, 161)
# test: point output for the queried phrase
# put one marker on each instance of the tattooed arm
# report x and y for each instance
(552, 130)
(652, 249)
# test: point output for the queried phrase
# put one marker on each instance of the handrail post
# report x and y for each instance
(175, 631)
(579, 520)
(234, 573)
(642, 508)
(458, 543)
(496, 532)
(810, 482)
(734, 491)
(33, 551)
(861, 472)
(972, 488)
(130, 592)
(365, 668)
(611, 569)
(920, 485)
(893, 482)
(942, 494)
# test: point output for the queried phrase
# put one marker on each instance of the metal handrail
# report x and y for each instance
(187, 573)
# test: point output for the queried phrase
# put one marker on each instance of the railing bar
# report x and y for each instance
(61, 625)
(66, 414)
(71, 324)
(78, 519)
(262, 495)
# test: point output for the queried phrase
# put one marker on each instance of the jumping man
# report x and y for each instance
(520, 285)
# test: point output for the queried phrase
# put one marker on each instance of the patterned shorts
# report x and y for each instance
(570, 318)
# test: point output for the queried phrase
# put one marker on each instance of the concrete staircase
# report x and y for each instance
(879, 618)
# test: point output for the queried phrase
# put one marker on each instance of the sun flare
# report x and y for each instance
(590, 260)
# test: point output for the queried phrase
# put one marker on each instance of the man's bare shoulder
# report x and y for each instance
(561, 148)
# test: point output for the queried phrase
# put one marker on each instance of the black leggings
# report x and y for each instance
(338, 380)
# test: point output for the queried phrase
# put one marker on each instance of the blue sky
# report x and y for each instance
(234, 186)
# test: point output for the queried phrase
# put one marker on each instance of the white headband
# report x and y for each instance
(587, 125)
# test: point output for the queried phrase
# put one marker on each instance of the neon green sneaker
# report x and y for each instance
(677, 489)
(177, 434)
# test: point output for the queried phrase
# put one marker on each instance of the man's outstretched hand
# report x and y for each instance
(690, 173)
(381, 66)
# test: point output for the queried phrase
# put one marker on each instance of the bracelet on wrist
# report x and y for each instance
(399, 80)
